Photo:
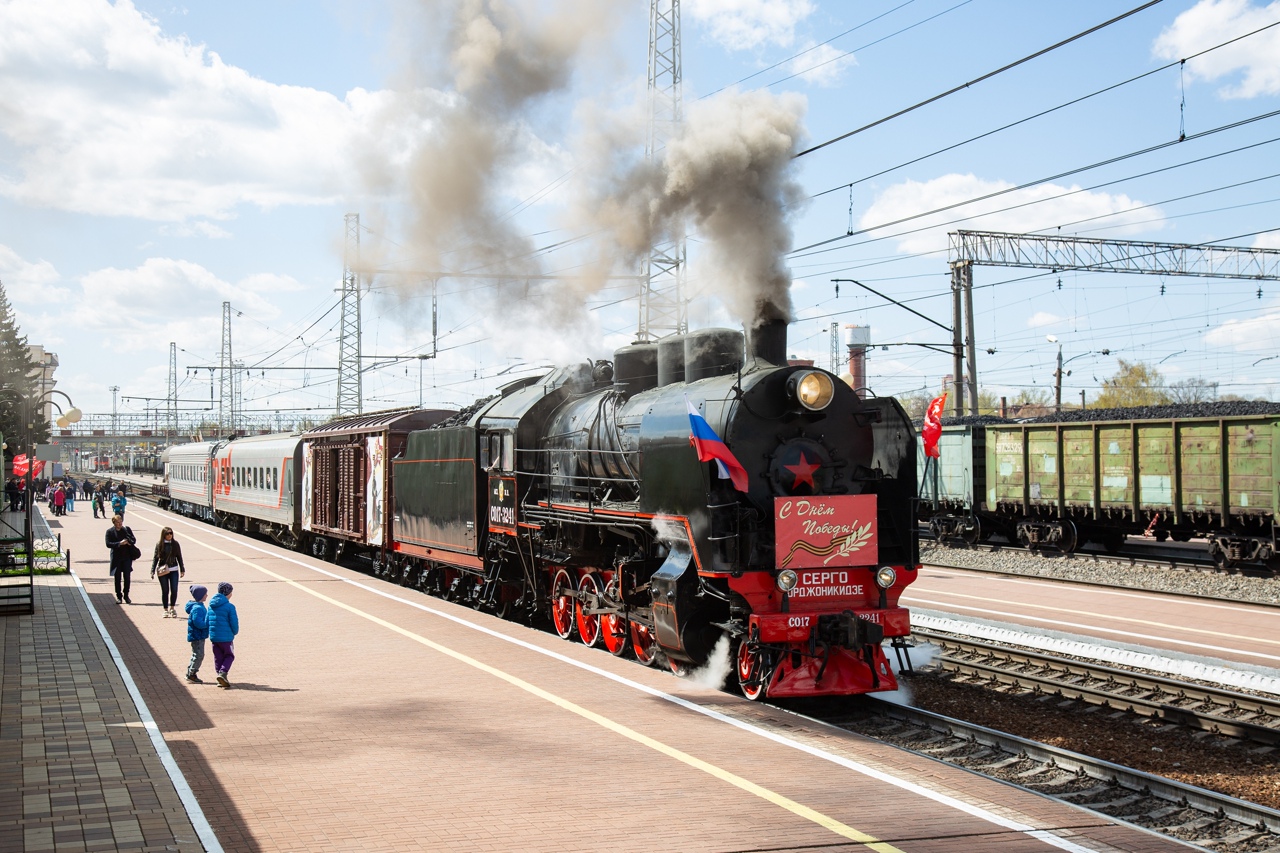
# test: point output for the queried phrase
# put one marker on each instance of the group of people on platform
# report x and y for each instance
(215, 621)
(61, 495)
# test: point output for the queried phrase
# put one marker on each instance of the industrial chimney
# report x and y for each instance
(857, 339)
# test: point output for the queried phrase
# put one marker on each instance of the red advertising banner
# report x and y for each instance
(20, 466)
(817, 532)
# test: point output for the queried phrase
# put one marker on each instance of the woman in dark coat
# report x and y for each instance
(123, 544)
(168, 557)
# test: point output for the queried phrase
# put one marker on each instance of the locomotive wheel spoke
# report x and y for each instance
(613, 626)
(562, 604)
(588, 623)
(643, 644)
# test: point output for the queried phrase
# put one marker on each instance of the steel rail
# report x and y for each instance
(1111, 687)
(1252, 815)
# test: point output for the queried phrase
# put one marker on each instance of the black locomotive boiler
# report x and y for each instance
(579, 497)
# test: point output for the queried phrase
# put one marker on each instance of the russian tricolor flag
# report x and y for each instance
(709, 446)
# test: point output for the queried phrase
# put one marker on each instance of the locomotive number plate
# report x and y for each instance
(502, 504)
(825, 532)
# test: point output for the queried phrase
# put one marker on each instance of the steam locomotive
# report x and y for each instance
(578, 499)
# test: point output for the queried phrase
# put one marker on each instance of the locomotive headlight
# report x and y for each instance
(813, 390)
(885, 576)
(787, 580)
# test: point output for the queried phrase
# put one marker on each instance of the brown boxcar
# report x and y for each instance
(346, 479)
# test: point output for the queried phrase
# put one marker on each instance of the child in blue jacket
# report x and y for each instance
(197, 630)
(223, 627)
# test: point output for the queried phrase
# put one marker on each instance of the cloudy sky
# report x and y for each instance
(158, 159)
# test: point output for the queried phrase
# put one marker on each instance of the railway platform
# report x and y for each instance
(1232, 634)
(363, 716)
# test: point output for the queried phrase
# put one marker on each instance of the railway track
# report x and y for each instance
(1146, 556)
(1205, 708)
(1219, 822)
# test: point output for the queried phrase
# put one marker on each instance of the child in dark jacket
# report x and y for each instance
(223, 627)
(197, 630)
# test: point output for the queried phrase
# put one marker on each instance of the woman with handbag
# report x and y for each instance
(124, 550)
(167, 565)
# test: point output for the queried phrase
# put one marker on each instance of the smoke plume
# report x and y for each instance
(725, 174)
(728, 174)
(503, 65)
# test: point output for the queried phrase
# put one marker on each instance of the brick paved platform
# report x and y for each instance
(78, 769)
(363, 716)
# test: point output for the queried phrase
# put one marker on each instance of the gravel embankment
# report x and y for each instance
(1211, 762)
(1083, 568)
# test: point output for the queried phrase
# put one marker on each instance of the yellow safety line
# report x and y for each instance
(750, 787)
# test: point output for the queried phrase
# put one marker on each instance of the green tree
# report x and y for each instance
(1134, 384)
(16, 383)
(915, 404)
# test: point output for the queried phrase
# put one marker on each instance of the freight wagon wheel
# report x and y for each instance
(562, 602)
(644, 644)
(613, 626)
(753, 671)
(588, 623)
(1069, 538)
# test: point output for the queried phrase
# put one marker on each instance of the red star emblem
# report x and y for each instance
(803, 471)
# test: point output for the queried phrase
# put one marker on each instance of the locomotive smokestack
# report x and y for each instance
(768, 341)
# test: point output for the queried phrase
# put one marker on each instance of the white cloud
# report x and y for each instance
(914, 197)
(1270, 240)
(181, 299)
(1043, 318)
(1254, 334)
(28, 283)
(1212, 22)
(747, 24)
(823, 65)
(197, 228)
(102, 113)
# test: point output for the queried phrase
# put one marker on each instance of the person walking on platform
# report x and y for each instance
(168, 559)
(87, 489)
(197, 631)
(99, 499)
(124, 550)
(59, 500)
(224, 624)
(119, 503)
(69, 490)
(11, 494)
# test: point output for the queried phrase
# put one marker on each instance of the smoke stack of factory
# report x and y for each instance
(857, 339)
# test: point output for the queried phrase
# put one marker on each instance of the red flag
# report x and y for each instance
(932, 430)
(20, 466)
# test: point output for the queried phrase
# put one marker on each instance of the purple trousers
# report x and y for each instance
(223, 656)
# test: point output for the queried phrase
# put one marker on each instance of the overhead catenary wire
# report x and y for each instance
(1002, 69)
(1064, 174)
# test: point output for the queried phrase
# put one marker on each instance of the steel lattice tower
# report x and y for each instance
(836, 356)
(663, 309)
(350, 396)
(173, 389)
(226, 370)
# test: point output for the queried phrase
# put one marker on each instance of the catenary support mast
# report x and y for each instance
(1088, 254)
(172, 414)
(350, 392)
(226, 369)
(663, 310)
